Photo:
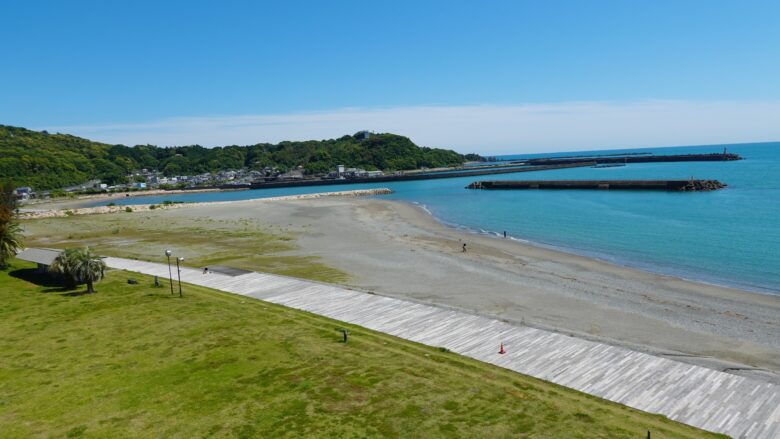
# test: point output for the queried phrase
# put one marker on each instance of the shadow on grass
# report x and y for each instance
(32, 275)
(52, 283)
(74, 293)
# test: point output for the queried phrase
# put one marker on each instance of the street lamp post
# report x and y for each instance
(178, 270)
(170, 275)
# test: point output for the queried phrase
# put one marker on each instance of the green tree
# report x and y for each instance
(80, 266)
(65, 265)
(10, 233)
(10, 243)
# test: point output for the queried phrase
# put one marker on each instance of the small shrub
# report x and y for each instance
(69, 213)
(128, 209)
(112, 204)
(152, 207)
(115, 231)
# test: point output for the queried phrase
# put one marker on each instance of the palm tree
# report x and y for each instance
(65, 265)
(10, 242)
(80, 266)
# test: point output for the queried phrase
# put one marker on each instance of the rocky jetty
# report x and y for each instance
(702, 185)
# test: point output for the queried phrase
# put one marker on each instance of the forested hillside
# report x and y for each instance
(48, 161)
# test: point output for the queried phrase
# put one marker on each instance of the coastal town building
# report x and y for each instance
(24, 193)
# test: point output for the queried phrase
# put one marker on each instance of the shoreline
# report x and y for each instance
(618, 263)
(601, 257)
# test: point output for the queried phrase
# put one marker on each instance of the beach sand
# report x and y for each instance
(398, 249)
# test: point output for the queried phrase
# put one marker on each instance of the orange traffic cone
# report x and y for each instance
(502, 351)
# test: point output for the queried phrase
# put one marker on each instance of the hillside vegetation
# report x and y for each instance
(134, 361)
(49, 161)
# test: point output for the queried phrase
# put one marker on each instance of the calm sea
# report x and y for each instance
(728, 237)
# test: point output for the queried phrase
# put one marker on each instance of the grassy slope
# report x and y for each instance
(132, 361)
(242, 243)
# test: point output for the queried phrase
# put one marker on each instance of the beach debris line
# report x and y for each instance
(691, 185)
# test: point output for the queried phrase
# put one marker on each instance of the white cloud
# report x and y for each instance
(488, 129)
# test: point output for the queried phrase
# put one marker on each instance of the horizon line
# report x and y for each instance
(485, 129)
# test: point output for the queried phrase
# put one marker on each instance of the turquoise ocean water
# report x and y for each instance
(727, 237)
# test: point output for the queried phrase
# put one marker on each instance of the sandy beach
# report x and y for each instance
(399, 250)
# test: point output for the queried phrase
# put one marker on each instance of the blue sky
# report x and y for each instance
(244, 72)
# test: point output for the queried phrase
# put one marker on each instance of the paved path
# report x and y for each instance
(698, 396)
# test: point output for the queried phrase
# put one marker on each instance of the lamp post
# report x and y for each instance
(170, 275)
(178, 270)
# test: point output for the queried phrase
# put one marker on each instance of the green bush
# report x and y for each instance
(128, 209)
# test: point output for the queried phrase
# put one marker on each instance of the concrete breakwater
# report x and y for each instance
(712, 157)
(663, 185)
(61, 213)
(504, 169)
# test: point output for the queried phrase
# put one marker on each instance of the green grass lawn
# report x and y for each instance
(133, 361)
(242, 243)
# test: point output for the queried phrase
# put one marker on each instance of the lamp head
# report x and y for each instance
(181, 259)
(167, 252)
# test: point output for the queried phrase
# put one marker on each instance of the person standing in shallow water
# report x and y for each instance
(504, 234)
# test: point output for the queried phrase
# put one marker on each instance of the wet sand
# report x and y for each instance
(398, 249)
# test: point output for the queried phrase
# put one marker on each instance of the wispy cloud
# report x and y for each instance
(491, 129)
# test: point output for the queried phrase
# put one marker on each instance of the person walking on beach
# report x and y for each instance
(504, 234)
(464, 247)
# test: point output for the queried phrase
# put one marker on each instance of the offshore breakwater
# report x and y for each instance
(645, 185)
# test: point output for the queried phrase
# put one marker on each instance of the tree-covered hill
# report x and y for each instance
(48, 161)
